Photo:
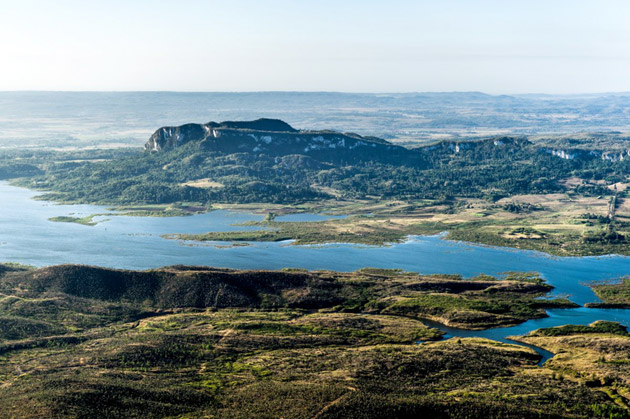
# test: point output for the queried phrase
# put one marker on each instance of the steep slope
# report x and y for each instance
(168, 138)
(277, 138)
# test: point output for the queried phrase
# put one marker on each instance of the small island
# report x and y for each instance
(86, 221)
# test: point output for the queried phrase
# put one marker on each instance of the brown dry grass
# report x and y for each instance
(203, 183)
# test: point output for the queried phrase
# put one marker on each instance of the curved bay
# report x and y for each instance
(27, 236)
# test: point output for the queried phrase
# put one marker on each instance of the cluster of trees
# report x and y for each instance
(484, 170)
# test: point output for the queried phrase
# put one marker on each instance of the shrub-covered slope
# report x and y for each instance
(198, 342)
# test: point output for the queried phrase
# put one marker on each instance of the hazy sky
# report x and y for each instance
(502, 46)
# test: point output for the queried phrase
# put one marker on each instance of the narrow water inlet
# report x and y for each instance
(453, 332)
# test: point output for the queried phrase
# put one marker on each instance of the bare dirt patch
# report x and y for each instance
(203, 183)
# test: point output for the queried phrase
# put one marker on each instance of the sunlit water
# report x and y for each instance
(28, 237)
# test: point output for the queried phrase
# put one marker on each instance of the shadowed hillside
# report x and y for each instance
(198, 342)
(449, 299)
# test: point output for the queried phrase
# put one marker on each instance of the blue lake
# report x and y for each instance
(27, 236)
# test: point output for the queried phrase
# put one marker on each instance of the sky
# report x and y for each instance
(499, 47)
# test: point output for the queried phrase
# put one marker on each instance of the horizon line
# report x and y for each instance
(418, 92)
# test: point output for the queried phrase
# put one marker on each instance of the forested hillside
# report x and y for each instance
(269, 161)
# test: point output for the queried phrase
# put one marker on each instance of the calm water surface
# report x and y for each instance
(27, 236)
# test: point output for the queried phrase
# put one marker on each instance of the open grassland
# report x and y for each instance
(203, 183)
(614, 293)
(595, 356)
(563, 224)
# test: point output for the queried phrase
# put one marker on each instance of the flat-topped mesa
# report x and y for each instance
(168, 138)
(275, 137)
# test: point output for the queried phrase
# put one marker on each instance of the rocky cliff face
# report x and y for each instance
(168, 138)
(581, 154)
(275, 137)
